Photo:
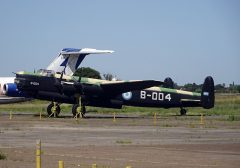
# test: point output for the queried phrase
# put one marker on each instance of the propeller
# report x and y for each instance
(68, 88)
(58, 82)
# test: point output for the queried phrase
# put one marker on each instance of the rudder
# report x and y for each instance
(208, 95)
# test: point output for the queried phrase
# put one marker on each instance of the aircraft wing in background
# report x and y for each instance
(10, 100)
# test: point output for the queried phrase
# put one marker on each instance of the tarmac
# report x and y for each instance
(140, 142)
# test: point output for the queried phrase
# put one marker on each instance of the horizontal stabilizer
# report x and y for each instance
(85, 51)
(190, 102)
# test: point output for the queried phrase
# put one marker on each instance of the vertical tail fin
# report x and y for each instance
(208, 95)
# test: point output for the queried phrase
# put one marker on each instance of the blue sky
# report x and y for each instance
(186, 40)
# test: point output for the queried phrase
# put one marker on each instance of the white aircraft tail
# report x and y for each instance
(69, 59)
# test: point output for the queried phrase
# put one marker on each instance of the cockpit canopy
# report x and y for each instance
(45, 72)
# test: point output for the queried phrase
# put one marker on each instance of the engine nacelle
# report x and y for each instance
(168, 83)
(10, 89)
(57, 97)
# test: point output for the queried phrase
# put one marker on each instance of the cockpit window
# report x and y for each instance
(45, 72)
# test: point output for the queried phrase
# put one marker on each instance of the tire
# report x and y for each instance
(183, 112)
(75, 111)
(50, 109)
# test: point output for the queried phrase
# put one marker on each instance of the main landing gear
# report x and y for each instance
(53, 109)
(183, 111)
(78, 110)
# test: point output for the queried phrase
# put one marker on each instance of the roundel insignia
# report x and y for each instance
(127, 95)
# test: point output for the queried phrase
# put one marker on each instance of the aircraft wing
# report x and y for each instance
(9, 100)
(119, 87)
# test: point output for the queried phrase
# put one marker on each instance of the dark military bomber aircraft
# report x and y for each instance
(58, 85)
(82, 92)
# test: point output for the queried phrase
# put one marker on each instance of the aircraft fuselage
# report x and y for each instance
(49, 88)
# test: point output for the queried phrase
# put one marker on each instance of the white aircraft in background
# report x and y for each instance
(66, 62)
(5, 97)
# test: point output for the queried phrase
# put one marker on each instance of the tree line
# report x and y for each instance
(219, 88)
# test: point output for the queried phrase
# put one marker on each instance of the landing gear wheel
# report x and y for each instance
(183, 112)
(53, 111)
(78, 111)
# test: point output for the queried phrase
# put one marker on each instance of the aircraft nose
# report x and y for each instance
(21, 82)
